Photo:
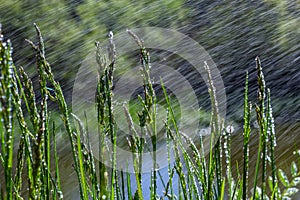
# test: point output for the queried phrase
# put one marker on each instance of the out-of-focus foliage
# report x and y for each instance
(62, 33)
(71, 27)
(233, 32)
(118, 15)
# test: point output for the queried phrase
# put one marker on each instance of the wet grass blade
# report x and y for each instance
(246, 135)
(82, 182)
(261, 119)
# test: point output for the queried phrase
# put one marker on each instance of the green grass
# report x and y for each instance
(33, 165)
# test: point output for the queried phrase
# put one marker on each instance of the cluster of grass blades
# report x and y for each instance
(32, 171)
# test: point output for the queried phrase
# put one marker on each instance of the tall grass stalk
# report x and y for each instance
(45, 74)
(246, 135)
(272, 139)
(216, 128)
(261, 119)
(147, 116)
(57, 190)
(105, 115)
(6, 114)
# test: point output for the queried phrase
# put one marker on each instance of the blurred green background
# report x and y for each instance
(233, 32)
